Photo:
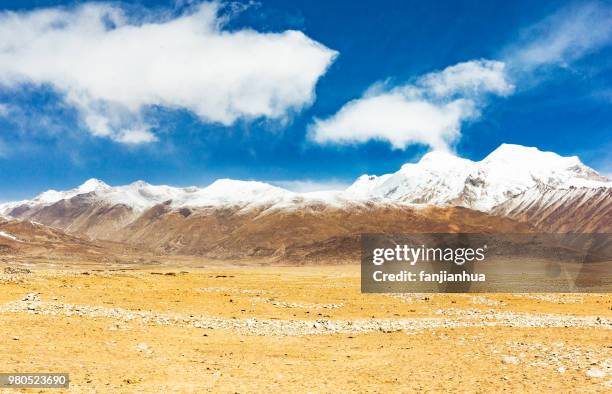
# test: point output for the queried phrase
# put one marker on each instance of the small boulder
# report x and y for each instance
(143, 348)
(595, 373)
(510, 360)
(31, 297)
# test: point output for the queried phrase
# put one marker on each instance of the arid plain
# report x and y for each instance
(197, 327)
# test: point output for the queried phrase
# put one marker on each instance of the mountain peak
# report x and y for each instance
(437, 161)
(531, 156)
(437, 155)
(513, 148)
(91, 185)
(443, 158)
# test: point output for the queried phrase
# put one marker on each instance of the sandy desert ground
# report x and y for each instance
(293, 329)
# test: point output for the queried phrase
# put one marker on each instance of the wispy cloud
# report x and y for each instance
(308, 185)
(429, 111)
(111, 66)
(432, 110)
(564, 37)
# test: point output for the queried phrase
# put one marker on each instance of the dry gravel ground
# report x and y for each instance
(299, 329)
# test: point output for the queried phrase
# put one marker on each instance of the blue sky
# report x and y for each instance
(358, 93)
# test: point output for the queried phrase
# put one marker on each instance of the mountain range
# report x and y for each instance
(513, 189)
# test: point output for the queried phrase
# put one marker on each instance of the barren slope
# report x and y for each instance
(318, 232)
(22, 239)
(586, 210)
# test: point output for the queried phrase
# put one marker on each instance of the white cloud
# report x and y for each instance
(135, 136)
(429, 111)
(472, 78)
(395, 118)
(111, 67)
(307, 185)
(563, 37)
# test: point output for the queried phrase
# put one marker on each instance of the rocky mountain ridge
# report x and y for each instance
(514, 189)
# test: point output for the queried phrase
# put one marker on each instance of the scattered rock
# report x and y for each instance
(595, 373)
(31, 297)
(252, 326)
(16, 271)
(510, 360)
(302, 305)
(480, 300)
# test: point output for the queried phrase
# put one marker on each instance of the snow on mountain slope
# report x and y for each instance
(52, 196)
(231, 192)
(437, 179)
(444, 179)
(140, 196)
(573, 209)
(511, 170)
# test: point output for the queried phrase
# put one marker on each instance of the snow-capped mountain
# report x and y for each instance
(140, 196)
(52, 196)
(513, 189)
(444, 179)
(439, 178)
